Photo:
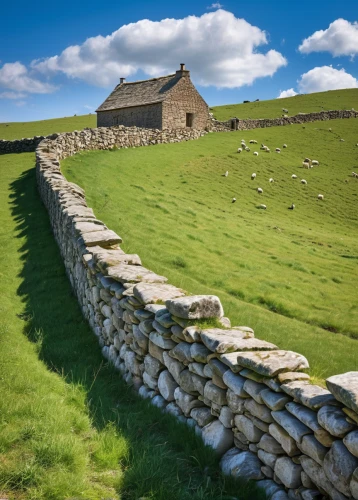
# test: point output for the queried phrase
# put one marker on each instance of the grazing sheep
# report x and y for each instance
(305, 165)
(285, 110)
(308, 160)
(320, 196)
(291, 207)
(256, 153)
(293, 176)
(253, 141)
(233, 200)
(284, 146)
(247, 149)
(260, 191)
(263, 207)
(315, 162)
(357, 144)
(267, 150)
(239, 150)
(341, 140)
(253, 176)
(278, 150)
(271, 179)
(303, 181)
(329, 130)
(354, 174)
(226, 173)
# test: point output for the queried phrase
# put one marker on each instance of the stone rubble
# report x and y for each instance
(250, 401)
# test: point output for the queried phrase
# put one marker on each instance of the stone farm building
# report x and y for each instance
(167, 102)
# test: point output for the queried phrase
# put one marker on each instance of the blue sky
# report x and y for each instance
(235, 50)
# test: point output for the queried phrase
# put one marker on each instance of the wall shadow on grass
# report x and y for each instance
(165, 458)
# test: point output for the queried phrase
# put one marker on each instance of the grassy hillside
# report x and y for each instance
(69, 425)
(17, 130)
(320, 101)
(289, 274)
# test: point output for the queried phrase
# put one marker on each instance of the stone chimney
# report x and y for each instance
(122, 80)
(182, 71)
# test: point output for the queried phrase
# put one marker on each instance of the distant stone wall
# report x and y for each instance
(23, 145)
(226, 126)
(183, 99)
(149, 116)
(249, 400)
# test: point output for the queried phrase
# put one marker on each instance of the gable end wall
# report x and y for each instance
(149, 116)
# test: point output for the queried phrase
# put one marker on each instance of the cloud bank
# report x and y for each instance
(15, 76)
(287, 93)
(220, 50)
(340, 39)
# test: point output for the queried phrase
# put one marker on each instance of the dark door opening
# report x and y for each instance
(189, 119)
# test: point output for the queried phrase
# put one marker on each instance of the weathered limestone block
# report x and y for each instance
(133, 274)
(215, 393)
(313, 448)
(284, 378)
(225, 341)
(148, 293)
(160, 341)
(202, 416)
(226, 417)
(186, 382)
(269, 487)
(218, 437)
(146, 326)
(234, 402)
(199, 383)
(185, 401)
(351, 414)
(284, 439)
(254, 389)
(339, 466)
(351, 442)
(267, 458)
(199, 352)
(260, 424)
(219, 369)
(241, 464)
(275, 401)
(235, 383)
(312, 396)
(269, 444)
(334, 420)
(258, 410)
(182, 353)
(196, 307)
(167, 385)
(344, 387)
(246, 426)
(271, 363)
(191, 334)
(174, 410)
(197, 368)
(152, 366)
(175, 367)
(294, 427)
(288, 472)
(140, 338)
(318, 476)
(267, 471)
(156, 351)
(104, 238)
(150, 381)
(354, 485)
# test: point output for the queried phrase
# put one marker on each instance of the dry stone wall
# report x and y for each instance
(249, 400)
(27, 145)
(226, 126)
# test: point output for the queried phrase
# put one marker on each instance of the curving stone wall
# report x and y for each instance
(23, 145)
(249, 400)
(226, 126)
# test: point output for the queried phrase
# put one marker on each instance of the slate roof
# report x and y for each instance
(130, 94)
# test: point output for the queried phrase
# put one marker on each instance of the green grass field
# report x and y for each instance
(69, 426)
(17, 130)
(320, 101)
(291, 275)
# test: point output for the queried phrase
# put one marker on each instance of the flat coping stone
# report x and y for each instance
(312, 396)
(149, 293)
(230, 341)
(271, 363)
(344, 387)
(196, 307)
(134, 274)
(106, 237)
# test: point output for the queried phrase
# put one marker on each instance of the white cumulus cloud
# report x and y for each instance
(15, 76)
(340, 39)
(324, 78)
(287, 93)
(217, 47)
(11, 95)
(215, 5)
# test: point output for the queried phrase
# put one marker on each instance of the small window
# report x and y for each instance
(189, 119)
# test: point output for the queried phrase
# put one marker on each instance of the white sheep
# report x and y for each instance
(233, 200)
(247, 149)
(305, 164)
(329, 130)
(308, 160)
(226, 173)
(253, 176)
(256, 153)
(315, 162)
(292, 207)
(278, 150)
(263, 207)
(342, 140)
(285, 110)
(293, 176)
(239, 150)
(303, 181)
(271, 179)
(267, 150)
(354, 174)
(284, 146)
(260, 191)
(320, 196)
(253, 141)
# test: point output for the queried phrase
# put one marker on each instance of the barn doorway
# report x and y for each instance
(189, 119)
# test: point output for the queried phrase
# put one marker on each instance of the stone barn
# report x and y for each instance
(170, 101)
